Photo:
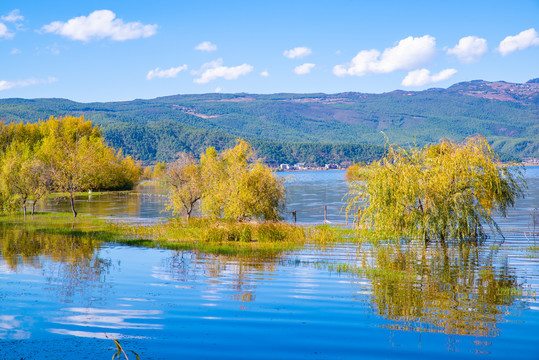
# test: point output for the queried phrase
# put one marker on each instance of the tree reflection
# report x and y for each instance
(452, 290)
(70, 261)
(237, 274)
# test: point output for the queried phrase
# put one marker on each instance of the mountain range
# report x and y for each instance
(313, 128)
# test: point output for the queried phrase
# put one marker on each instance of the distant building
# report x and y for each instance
(533, 161)
(284, 167)
(332, 166)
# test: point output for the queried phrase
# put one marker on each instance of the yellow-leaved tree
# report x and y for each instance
(22, 176)
(184, 177)
(78, 159)
(66, 154)
(69, 150)
(443, 191)
(231, 185)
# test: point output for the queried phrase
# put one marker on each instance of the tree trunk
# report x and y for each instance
(33, 207)
(73, 205)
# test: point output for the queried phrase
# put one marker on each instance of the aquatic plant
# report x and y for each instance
(120, 350)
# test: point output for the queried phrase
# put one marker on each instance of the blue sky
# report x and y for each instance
(122, 50)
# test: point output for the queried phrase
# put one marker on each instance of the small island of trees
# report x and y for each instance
(66, 154)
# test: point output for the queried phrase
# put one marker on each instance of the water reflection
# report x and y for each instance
(237, 276)
(71, 263)
(463, 290)
(101, 320)
(10, 328)
(147, 203)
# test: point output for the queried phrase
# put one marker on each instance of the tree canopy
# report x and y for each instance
(231, 185)
(442, 191)
(66, 154)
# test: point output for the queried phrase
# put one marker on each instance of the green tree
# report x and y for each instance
(40, 180)
(117, 172)
(64, 154)
(70, 151)
(16, 174)
(159, 170)
(184, 177)
(238, 187)
(442, 191)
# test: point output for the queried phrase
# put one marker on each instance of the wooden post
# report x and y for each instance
(294, 215)
(325, 214)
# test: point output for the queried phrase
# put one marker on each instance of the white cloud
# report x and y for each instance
(4, 32)
(423, 77)
(469, 49)
(6, 85)
(264, 73)
(304, 69)
(408, 54)
(13, 16)
(53, 49)
(218, 90)
(14, 51)
(165, 74)
(523, 40)
(215, 69)
(297, 52)
(206, 46)
(99, 25)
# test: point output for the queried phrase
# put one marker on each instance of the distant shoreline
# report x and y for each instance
(311, 169)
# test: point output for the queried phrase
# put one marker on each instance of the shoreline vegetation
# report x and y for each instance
(437, 192)
(66, 155)
(219, 237)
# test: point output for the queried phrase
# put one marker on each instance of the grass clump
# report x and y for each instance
(218, 236)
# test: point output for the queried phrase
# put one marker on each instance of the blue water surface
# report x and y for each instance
(473, 302)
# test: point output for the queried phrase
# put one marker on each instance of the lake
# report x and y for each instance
(61, 297)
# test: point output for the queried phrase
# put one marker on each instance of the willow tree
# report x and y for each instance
(448, 190)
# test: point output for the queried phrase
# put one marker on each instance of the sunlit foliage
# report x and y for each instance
(65, 154)
(230, 185)
(238, 187)
(442, 191)
(184, 177)
(159, 170)
(22, 175)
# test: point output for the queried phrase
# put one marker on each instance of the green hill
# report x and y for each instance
(315, 128)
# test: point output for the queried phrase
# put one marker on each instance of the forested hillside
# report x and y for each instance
(312, 128)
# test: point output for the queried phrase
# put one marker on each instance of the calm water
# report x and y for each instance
(60, 296)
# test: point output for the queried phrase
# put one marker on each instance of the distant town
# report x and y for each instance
(302, 166)
(530, 161)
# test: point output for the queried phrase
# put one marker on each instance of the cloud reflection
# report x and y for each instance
(9, 328)
(117, 319)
